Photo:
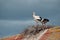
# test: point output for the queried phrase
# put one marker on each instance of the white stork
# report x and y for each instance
(40, 19)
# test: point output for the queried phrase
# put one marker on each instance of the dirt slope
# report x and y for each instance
(46, 34)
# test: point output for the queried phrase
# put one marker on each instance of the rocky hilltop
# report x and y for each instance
(37, 33)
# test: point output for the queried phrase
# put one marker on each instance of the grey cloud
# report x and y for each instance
(22, 9)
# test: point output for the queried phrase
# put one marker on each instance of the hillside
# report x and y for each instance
(37, 33)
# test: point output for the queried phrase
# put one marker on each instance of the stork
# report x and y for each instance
(40, 19)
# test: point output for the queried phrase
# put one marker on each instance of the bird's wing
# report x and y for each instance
(37, 17)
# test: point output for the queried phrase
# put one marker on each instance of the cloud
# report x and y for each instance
(22, 9)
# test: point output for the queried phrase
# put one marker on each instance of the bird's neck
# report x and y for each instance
(34, 15)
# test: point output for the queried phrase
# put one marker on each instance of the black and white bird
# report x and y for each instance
(40, 19)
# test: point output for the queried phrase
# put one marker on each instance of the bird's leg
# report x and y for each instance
(45, 25)
(42, 26)
(36, 23)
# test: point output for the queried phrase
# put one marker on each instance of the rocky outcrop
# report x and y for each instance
(37, 33)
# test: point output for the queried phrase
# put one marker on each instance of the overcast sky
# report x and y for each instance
(17, 13)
